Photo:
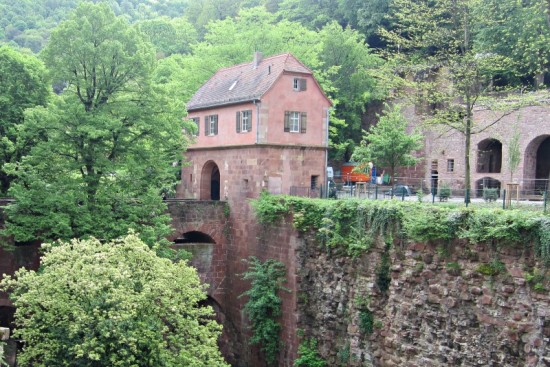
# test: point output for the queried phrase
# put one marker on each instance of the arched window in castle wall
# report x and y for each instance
(489, 156)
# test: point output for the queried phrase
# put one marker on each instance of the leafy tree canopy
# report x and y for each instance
(108, 142)
(113, 303)
(389, 144)
(23, 84)
(518, 30)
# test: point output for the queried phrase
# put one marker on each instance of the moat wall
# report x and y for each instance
(439, 310)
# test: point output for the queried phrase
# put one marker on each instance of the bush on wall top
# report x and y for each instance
(354, 224)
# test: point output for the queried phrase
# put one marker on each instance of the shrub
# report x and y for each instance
(308, 356)
(490, 195)
(444, 192)
(495, 267)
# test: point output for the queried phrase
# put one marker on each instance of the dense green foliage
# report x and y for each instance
(407, 220)
(308, 355)
(263, 307)
(104, 147)
(435, 45)
(483, 46)
(388, 143)
(23, 84)
(112, 304)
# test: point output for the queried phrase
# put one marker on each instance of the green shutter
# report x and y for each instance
(215, 132)
(287, 121)
(198, 122)
(238, 119)
(303, 122)
(207, 125)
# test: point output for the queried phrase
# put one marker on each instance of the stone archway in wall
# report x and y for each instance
(201, 247)
(210, 182)
(489, 156)
(536, 167)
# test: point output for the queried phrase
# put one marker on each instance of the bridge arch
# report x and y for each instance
(210, 181)
(194, 237)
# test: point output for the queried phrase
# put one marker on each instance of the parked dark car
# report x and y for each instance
(399, 191)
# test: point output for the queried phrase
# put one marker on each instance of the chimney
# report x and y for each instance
(257, 59)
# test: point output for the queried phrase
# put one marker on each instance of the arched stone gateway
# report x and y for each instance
(489, 156)
(536, 168)
(201, 246)
(210, 181)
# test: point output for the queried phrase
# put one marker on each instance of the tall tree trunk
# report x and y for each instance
(467, 147)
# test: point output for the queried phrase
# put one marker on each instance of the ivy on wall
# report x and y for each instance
(263, 307)
(353, 225)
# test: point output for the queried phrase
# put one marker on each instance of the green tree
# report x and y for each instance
(350, 68)
(432, 42)
(109, 140)
(514, 152)
(388, 143)
(23, 85)
(169, 35)
(233, 40)
(366, 17)
(313, 14)
(113, 303)
(519, 30)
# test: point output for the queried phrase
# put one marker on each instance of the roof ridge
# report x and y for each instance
(263, 59)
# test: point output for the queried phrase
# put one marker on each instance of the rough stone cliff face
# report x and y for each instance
(441, 307)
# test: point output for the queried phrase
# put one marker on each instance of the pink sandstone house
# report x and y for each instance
(262, 125)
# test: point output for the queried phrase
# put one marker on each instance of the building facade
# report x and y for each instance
(262, 125)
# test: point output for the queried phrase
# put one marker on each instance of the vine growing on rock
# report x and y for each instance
(264, 304)
(308, 355)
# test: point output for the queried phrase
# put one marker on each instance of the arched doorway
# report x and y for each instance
(489, 156)
(536, 169)
(210, 182)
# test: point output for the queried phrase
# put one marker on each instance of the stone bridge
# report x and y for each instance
(219, 239)
(202, 228)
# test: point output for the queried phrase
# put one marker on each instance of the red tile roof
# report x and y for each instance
(244, 82)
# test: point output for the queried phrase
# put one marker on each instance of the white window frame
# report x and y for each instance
(246, 121)
(450, 165)
(294, 122)
(212, 123)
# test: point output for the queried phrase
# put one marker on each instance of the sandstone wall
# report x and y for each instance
(434, 313)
